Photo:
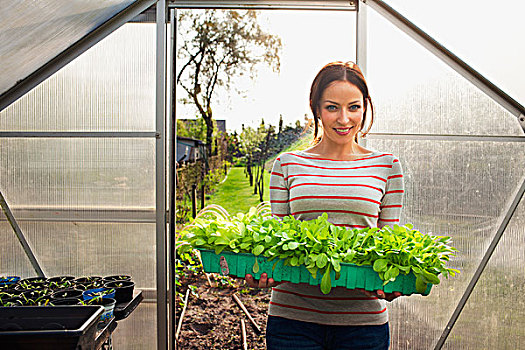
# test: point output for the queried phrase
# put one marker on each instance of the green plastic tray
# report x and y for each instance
(352, 276)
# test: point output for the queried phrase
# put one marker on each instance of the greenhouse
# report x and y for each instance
(93, 106)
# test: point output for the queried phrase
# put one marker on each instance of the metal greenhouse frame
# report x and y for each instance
(165, 133)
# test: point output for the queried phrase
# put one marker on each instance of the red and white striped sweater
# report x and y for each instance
(365, 192)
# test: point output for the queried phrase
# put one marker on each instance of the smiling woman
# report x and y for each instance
(356, 188)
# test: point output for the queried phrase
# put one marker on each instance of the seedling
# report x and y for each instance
(101, 293)
(321, 246)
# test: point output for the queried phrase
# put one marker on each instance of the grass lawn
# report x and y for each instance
(235, 194)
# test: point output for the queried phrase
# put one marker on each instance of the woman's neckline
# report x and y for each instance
(356, 156)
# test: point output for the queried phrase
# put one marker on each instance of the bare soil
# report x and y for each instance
(213, 319)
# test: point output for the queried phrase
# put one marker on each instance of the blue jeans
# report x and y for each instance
(286, 334)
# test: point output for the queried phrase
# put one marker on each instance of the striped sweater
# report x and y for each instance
(365, 192)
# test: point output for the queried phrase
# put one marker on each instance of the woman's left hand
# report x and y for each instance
(380, 294)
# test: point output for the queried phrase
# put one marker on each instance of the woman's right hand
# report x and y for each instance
(263, 282)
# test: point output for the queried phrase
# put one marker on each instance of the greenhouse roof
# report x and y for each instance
(40, 37)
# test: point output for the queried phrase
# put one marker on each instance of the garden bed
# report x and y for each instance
(213, 320)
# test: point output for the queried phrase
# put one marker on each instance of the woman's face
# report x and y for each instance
(341, 112)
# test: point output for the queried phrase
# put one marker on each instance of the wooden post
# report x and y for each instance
(203, 187)
(182, 313)
(194, 200)
(243, 308)
(243, 335)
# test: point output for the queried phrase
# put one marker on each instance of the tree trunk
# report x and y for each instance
(261, 186)
(209, 135)
(249, 170)
(256, 179)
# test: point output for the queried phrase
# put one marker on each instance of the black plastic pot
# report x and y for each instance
(34, 280)
(5, 296)
(66, 301)
(83, 287)
(35, 293)
(123, 290)
(35, 297)
(87, 279)
(117, 278)
(7, 288)
(60, 282)
(16, 292)
(61, 278)
(67, 293)
(15, 301)
(26, 285)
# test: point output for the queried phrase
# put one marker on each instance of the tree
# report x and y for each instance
(249, 141)
(219, 46)
(193, 128)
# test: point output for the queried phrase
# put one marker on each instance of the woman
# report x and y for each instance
(357, 188)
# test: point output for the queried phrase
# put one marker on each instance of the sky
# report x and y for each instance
(488, 36)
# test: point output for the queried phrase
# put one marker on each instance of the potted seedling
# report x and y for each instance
(87, 279)
(67, 293)
(117, 278)
(60, 282)
(4, 296)
(91, 282)
(6, 288)
(35, 298)
(9, 280)
(65, 301)
(99, 292)
(14, 301)
(123, 290)
(107, 303)
(31, 283)
(35, 294)
(85, 286)
(32, 280)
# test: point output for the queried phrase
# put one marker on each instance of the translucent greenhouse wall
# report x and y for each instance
(34, 32)
(456, 187)
(87, 204)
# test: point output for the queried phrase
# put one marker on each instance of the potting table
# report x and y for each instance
(122, 311)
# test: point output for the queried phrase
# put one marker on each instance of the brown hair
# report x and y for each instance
(339, 71)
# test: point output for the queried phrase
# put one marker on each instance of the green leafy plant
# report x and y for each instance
(321, 246)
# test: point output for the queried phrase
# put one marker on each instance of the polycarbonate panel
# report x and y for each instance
(457, 189)
(415, 92)
(34, 32)
(80, 249)
(87, 205)
(111, 87)
(486, 35)
(13, 259)
(143, 319)
(494, 316)
(78, 173)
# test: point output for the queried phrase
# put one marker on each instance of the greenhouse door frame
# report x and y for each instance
(165, 107)
(422, 38)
